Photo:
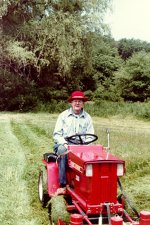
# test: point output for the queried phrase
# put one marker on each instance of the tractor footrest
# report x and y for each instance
(50, 157)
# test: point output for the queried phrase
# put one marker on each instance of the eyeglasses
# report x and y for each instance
(77, 101)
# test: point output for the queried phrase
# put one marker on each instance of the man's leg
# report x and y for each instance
(62, 164)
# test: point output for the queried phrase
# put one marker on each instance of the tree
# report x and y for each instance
(52, 29)
(105, 62)
(126, 47)
(134, 77)
(48, 41)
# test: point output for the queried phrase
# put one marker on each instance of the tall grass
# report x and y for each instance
(139, 110)
(24, 139)
(123, 109)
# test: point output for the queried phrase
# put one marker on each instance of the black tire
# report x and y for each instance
(42, 188)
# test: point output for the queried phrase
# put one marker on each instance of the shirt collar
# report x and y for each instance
(70, 112)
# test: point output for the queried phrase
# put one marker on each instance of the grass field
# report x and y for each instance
(25, 137)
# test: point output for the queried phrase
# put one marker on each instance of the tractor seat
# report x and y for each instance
(50, 157)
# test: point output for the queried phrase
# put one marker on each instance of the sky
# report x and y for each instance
(130, 19)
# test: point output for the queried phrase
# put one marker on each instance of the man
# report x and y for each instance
(70, 122)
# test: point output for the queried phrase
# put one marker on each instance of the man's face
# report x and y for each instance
(77, 105)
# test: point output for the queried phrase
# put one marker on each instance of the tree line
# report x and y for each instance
(50, 48)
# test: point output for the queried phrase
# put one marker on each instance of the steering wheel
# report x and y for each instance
(80, 139)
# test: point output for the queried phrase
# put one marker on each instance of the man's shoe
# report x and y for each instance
(61, 191)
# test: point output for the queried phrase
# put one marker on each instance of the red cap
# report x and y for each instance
(77, 95)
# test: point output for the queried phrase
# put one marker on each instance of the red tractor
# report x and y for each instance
(92, 189)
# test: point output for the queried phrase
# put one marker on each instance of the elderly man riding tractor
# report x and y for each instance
(90, 179)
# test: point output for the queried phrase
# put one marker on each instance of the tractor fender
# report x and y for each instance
(52, 177)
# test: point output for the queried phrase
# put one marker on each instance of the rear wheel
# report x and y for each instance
(42, 187)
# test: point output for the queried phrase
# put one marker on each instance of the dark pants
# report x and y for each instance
(62, 164)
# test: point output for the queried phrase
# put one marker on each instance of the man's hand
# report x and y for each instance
(66, 146)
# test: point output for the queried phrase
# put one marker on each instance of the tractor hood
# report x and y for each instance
(80, 155)
(91, 153)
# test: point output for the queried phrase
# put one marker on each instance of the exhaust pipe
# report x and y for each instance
(108, 138)
(108, 143)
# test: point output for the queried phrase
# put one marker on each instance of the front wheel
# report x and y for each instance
(42, 188)
(58, 210)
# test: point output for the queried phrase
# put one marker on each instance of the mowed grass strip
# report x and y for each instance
(25, 137)
(35, 143)
(21, 154)
(15, 200)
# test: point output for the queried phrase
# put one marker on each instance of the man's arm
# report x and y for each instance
(90, 127)
(58, 131)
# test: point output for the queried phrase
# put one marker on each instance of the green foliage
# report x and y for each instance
(56, 47)
(126, 47)
(51, 31)
(105, 62)
(93, 14)
(101, 108)
(3, 7)
(105, 57)
(61, 40)
(107, 92)
(139, 110)
(16, 93)
(66, 6)
(49, 94)
(49, 43)
(16, 52)
(51, 107)
(135, 77)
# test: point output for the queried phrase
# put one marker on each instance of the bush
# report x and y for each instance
(52, 107)
(108, 93)
(16, 92)
(134, 78)
(107, 108)
(23, 103)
